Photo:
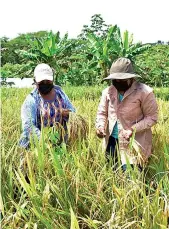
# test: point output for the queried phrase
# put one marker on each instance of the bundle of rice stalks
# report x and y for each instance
(78, 128)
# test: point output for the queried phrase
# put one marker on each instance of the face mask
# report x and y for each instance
(45, 88)
(122, 85)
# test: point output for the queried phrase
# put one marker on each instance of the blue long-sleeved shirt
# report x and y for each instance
(36, 110)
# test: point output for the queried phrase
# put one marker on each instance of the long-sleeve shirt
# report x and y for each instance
(36, 112)
(137, 110)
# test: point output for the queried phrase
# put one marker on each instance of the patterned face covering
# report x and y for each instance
(122, 85)
(45, 88)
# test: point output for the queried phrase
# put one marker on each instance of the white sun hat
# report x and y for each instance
(43, 72)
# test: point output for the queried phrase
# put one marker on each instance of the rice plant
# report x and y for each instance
(72, 187)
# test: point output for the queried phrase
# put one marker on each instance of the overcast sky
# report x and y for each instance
(148, 20)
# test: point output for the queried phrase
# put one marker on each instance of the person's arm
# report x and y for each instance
(66, 105)
(150, 112)
(102, 115)
(28, 116)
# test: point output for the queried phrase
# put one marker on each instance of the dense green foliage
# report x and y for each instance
(155, 65)
(8, 47)
(85, 60)
(15, 70)
(73, 188)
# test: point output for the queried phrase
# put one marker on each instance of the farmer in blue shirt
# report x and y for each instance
(46, 106)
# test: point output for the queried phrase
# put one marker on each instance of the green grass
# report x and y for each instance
(73, 188)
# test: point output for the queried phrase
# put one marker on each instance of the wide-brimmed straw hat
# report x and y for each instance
(121, 69)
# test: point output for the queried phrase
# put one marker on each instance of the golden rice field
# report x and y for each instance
(73, 188)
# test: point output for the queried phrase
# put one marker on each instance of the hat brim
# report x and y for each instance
(121, 76)
(42, 77)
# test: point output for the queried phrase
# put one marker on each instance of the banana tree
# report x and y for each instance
(105, 51)
(50, 49)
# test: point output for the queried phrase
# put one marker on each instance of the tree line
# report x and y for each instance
(84, 60)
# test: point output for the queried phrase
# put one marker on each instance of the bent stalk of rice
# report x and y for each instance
(78, 128)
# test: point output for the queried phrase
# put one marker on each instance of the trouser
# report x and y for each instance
(111, 150)
(111, 154)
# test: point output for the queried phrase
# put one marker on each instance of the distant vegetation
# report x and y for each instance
(85, 60)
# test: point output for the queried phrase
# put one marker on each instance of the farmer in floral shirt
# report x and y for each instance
(126, 108)
(46, 106)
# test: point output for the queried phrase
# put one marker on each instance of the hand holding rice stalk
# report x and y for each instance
(77, 128)
(130, 149)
